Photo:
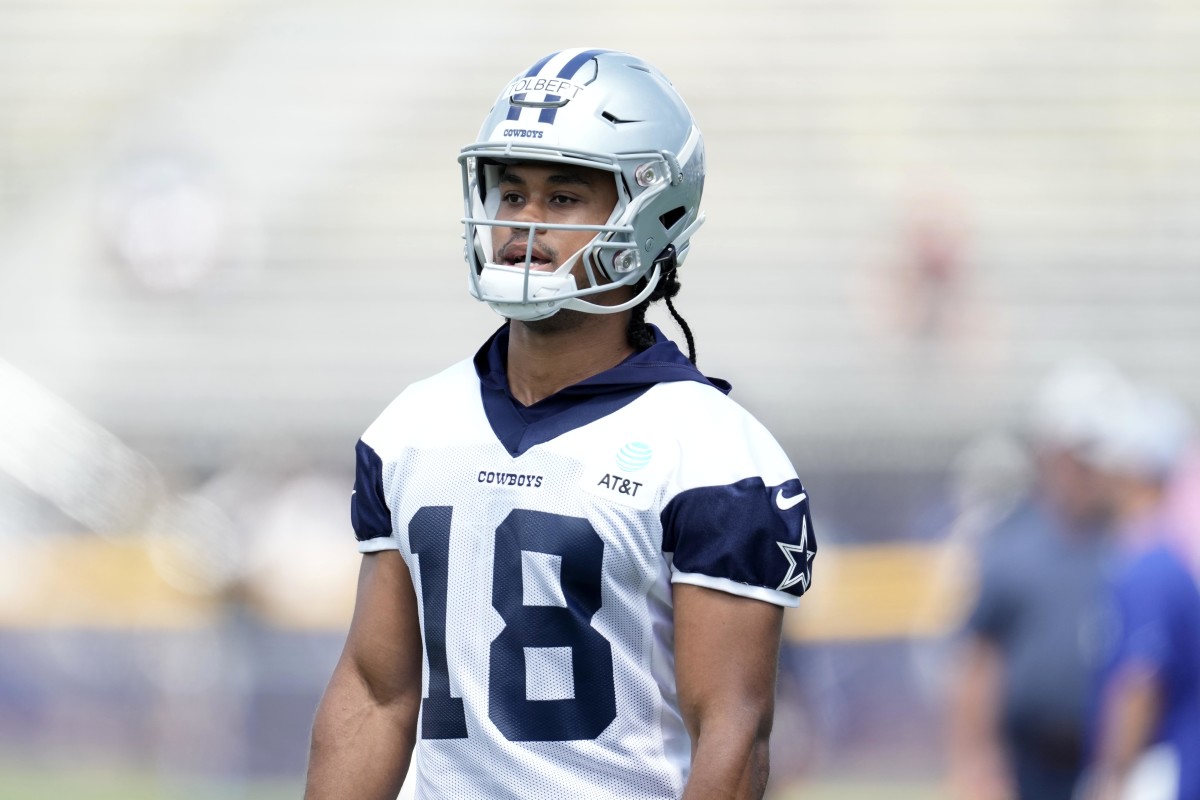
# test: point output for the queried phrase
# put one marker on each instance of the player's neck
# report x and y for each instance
(548, 356)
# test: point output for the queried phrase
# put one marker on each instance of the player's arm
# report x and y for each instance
(366, 722)
(1132, 707)
(978, 764)
(726, 659)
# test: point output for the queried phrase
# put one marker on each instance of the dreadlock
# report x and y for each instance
(639, 332)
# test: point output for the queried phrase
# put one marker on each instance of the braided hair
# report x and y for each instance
(641, 336)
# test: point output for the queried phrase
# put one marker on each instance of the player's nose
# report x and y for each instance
(530, 212)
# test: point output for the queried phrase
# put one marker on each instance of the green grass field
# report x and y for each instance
(90, 783)
(848, 789)
(19, 782)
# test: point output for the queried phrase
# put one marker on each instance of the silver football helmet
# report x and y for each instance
(591, 108)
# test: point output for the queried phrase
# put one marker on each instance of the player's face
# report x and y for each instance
(556, 194)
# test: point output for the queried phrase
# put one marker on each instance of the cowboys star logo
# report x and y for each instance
(799, 572)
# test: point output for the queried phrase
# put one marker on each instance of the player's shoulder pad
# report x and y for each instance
(720, 442)
(425, 409)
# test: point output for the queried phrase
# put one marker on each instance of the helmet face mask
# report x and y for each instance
(613, 113)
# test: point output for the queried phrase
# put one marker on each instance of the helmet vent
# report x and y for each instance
(673, 216)
(614, 119)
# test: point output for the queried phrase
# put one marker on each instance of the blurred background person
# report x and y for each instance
(1017, 699)
(1146, 734)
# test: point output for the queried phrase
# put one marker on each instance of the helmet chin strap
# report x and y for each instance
(579, 304)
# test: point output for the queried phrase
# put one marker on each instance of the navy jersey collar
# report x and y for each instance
(521, 427)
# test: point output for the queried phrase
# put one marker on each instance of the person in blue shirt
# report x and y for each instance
(1017, 703)
(1146, 721)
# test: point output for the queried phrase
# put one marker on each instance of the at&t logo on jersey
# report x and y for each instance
(628, 476)
(618, 484)
(634, 456)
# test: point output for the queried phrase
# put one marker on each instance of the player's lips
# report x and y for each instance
(513, 254)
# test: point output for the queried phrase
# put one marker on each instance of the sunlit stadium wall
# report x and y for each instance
(229, 235)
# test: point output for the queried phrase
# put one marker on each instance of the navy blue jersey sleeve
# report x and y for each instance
(747, 538)
(369, 513)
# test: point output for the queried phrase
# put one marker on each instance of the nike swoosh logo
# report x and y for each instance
(785, 503)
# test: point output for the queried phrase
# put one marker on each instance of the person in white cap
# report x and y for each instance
(1018, 701)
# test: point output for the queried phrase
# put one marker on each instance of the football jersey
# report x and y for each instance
(542, 544)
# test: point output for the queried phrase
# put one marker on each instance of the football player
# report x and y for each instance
(577, 549)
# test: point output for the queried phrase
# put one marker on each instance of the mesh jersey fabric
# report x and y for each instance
(543, 579)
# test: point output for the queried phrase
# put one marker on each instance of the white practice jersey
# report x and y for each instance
(543, 553)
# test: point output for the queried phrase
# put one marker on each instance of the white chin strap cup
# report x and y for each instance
(504, 289)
